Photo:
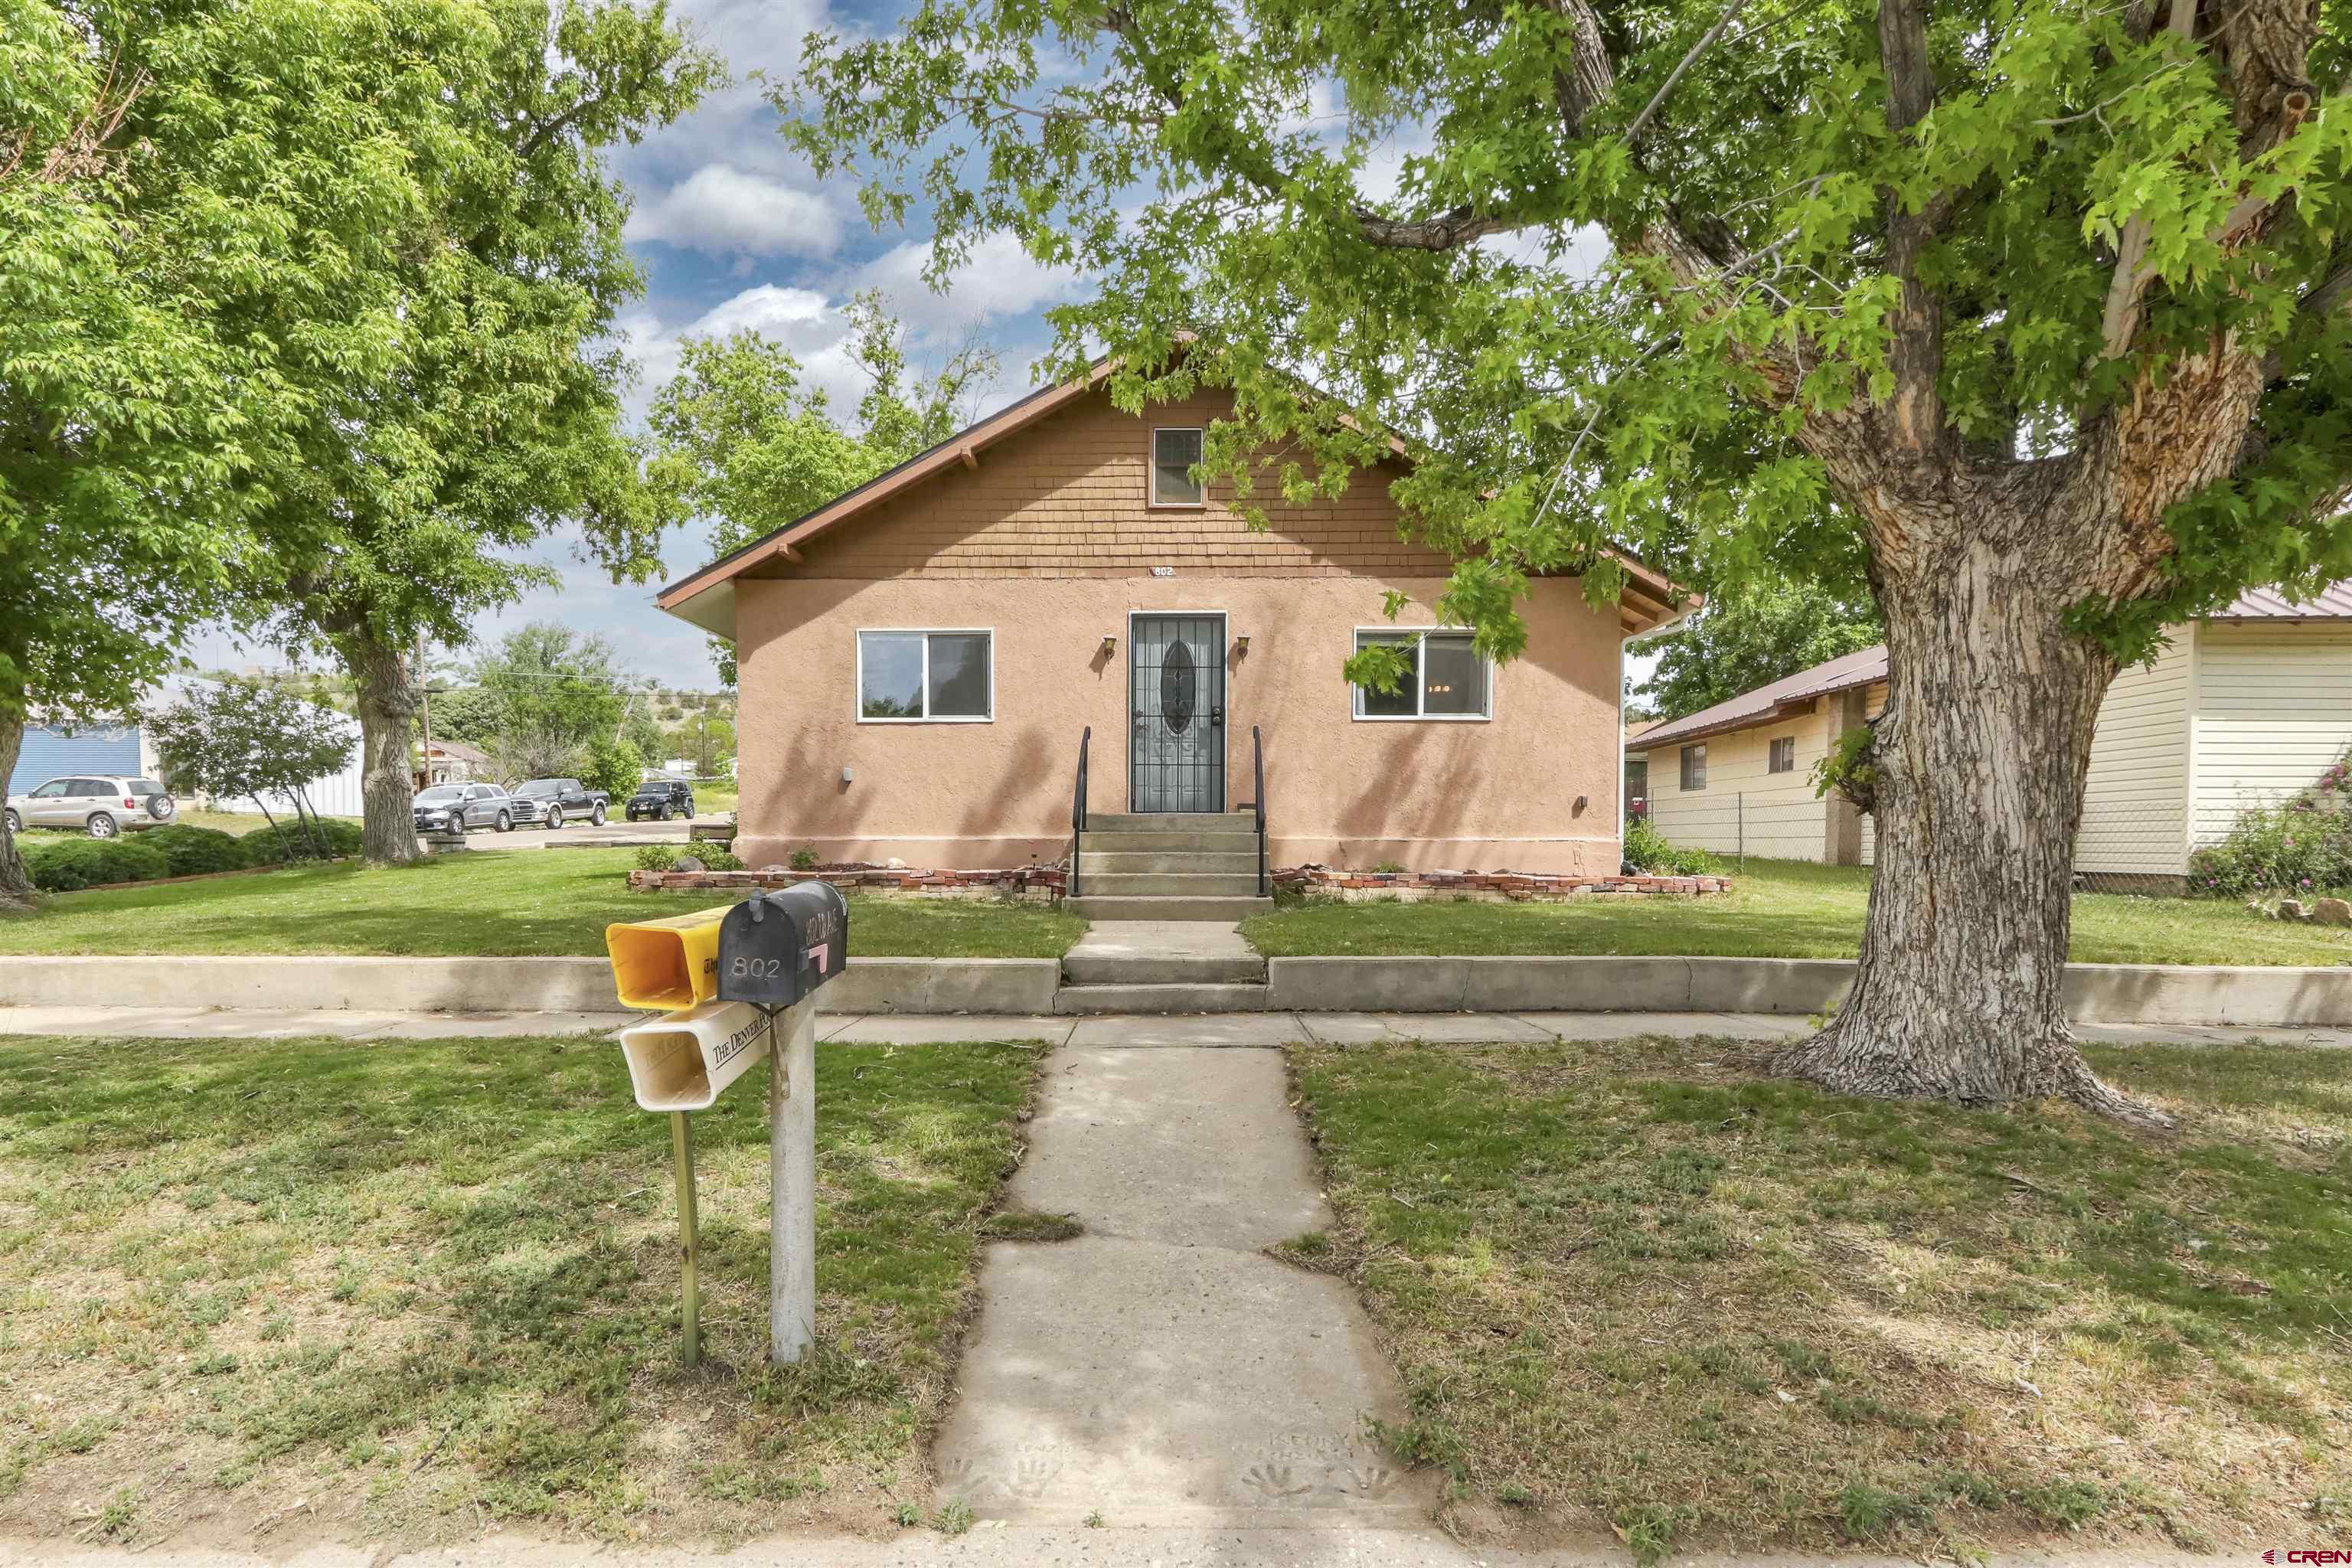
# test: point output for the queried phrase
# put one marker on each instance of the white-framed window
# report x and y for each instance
(908, 676)
(1693, 767)
(1783, 757)
(1445, 679)
(1174, 449)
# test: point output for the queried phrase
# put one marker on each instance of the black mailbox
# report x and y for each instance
(775, 948)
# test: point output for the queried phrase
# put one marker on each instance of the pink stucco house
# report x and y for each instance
(920, 659)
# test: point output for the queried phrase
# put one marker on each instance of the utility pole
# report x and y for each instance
(425, 707)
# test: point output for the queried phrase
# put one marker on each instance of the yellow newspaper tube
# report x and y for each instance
(667, 965)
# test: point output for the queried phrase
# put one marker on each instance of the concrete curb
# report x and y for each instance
(2103, 993)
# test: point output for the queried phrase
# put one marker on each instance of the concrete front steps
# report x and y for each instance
(1168, 866)
(1161, 966)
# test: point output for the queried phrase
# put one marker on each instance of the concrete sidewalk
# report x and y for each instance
(1160, 1370)
(1236, 1029)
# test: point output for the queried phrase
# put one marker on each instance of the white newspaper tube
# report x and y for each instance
(792, 1174)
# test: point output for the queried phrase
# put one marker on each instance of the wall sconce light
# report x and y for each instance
(1110, 646)
(849, 775)
(1240, 643)
(1582, 801)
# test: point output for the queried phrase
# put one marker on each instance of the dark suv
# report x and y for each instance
(661, 799)
(563, 799)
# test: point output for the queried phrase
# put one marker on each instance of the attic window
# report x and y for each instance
(1174, 450)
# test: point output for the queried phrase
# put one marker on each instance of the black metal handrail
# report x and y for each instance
(1258, 762)
(1079, 811)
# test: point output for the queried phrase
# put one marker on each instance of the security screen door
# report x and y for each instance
(1176, 736)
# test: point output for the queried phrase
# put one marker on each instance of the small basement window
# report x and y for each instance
(1783, 758)
(1445, 679)
(1174, 450)
(913, 677)
(1693, 767)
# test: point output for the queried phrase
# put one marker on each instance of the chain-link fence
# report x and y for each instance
(2124, 846)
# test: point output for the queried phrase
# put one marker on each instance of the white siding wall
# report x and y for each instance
(2274, 711)
(1782, 817)
(2136, 799)
(1872, 706)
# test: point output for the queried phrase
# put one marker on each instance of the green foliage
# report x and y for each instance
(2301, 845)
(549, 693)
(614, 767)
(71, 863)
(241, 738)
(740, 438)
(715, 858)
(804, 858)
(1851, 768)
(194, 850)
(1750, 637)
(1647, 850)
(292, 840)
(658, 857)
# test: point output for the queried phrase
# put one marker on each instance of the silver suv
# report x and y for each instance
(101, 807)
(455, 807)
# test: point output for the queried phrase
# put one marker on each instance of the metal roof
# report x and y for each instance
(1784, 697)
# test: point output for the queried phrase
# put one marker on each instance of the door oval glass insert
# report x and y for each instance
(1178, 683)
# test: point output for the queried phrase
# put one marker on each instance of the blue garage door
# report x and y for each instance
(49, 752)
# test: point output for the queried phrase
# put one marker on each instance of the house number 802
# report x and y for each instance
(758, 968)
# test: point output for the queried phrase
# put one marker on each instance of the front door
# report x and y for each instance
(1176, 706)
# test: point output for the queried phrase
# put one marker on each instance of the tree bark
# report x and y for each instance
(16, 882)
(1981, 754)
(387, 705)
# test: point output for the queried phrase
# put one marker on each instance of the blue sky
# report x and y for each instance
(733, 231)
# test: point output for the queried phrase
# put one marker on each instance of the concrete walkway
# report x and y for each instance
(1241, 1029)
(1160, 1370)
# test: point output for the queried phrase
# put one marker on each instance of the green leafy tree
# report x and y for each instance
(614, 767)
(709, 740)
(250, 738)
(742, 440)
(1752, 636)
(201, 209)
(2037, 309)
(552, 692)
(503, 421)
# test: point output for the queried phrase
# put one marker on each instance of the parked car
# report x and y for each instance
(101, 807)
(661, 799)
(459, 807)
(563, 799)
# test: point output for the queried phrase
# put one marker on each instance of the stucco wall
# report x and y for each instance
(1429, 794)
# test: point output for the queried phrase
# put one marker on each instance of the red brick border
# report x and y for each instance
(1516, 887)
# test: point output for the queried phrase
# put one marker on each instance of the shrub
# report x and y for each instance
(341, 838)
(1646, 850)
(658, 857)
(195, 850)
(75, 863)
(804, 857)
(714, 858)
(2301, 846)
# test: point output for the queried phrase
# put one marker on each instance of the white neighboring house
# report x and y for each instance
(2241, 709)
(332, 794)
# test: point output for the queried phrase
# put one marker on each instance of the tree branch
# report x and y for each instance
(1707, 40)
(1916, 353)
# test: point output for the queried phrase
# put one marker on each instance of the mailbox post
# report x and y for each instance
(731, 980)
(774, 951)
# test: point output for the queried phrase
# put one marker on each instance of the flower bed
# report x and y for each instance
(1483, 886)
(1029, 884)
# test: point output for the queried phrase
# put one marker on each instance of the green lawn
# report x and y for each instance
(1639, 1288)
(533, 901)
(1779, 909)
(404, 1291)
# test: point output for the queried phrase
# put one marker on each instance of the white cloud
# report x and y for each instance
(722, 211)
(997, 280)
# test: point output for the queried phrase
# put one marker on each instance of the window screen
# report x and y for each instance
(1174, 453)
(925, 675)
(1784, 755)
(1693, 767)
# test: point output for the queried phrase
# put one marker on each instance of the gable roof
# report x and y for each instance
(1785, 698)
(707, 597)
(1782, 699)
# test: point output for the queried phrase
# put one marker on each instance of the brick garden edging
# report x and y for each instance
(1482, 886)
(1032, 884)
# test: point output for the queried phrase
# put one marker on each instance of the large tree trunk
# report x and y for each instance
(1981, 758)
(387, 705)
(15, 882)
